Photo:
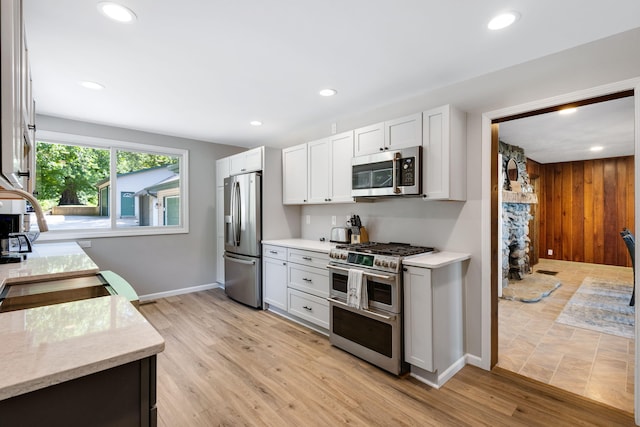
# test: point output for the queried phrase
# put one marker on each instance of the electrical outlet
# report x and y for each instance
(333, 220)
(308, 219)
(549, 251)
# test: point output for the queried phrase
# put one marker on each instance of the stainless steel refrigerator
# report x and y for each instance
(242, 238)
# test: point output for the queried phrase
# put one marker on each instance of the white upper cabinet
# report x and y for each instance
(328, 171)
(369, 139)
(294, 175)
(389, 135)
(17, 105)
(341, 152)
(318, 171)
(247, 161)
(444, 154)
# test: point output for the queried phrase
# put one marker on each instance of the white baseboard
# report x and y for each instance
(179, 291)
(437, 380)
(475, 361)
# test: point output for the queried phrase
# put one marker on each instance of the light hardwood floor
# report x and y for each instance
(592, 364)
(228, 365)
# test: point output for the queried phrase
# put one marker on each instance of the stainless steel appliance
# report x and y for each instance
(390, 173)
(374, 334)
(340, 235)
(242, 238)
(14, 245)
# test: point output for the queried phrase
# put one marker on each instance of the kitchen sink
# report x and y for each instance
(30, 295)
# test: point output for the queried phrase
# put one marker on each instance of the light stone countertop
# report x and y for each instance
(305, 244)
(49, 261)
(48, 345)
(435, 260)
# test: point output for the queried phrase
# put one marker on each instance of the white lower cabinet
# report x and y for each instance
(309, 286)
(274, 273)
(433, 333)
(309, 307)
(296, 281)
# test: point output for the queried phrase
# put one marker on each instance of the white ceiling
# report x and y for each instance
(204, 69)
(553, 138)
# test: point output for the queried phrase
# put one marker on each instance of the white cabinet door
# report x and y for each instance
(275, 282)
(222, 171)
(403, 132)
(11, 92)
(341, 152)
(294, 175)
(318, 169)
(369, 139)
(253, 160)
(247, 161)
(444, 154)
(418, 318)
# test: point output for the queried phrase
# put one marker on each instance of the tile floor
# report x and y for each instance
(592, 364)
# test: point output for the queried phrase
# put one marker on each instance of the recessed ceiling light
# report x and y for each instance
(116, 11)
(91, 85)
(503, 20)
(566, 111)
(328, 92)
(255, 123)
(596, 148)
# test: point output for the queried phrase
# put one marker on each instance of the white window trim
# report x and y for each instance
(89, 141)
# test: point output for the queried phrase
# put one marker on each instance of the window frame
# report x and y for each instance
(115, 145)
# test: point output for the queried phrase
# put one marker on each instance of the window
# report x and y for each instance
(91, 187)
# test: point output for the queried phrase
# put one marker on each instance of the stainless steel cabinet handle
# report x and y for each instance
(366, 273)
(239, 261)
(307, 308)
(307, 258)
(367, 312)
(307, 280)
(273, 252)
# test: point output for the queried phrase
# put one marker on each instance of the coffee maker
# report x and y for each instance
(14, 245)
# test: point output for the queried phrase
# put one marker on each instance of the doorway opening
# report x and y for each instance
(559, 211)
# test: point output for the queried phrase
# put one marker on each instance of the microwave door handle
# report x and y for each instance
(394, 171)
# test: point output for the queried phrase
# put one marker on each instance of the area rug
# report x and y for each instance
(532, 288)
(602, 306)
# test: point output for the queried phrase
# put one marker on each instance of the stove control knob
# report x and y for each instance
(393, 265)
(377, 262)
(385, 263)
(343, 256)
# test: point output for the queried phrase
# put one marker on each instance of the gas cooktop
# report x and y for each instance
(392, 248)
(379, 256)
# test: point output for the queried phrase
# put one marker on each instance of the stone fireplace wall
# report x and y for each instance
(515, 218)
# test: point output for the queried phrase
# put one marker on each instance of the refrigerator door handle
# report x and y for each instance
(238, 212)
(239, 261)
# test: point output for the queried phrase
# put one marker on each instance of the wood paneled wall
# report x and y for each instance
(582, 208)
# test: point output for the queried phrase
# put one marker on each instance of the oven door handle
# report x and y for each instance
(366, 312)
(364, 272)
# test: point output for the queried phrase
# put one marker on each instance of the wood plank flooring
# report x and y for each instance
(228, 365)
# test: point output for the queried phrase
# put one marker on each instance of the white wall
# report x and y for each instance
(459, 226)
(154, 264)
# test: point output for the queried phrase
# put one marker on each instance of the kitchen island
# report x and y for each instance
(86, 362)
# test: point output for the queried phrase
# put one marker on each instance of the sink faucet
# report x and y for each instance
(7, 193)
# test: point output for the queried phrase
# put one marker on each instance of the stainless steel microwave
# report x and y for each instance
(390, 173)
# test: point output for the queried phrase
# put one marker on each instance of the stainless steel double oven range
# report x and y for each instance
(374, 334)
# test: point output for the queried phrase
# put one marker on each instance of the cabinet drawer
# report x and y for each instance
(309, 307)
(309, 279)
(309, 258)
(277, 252)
